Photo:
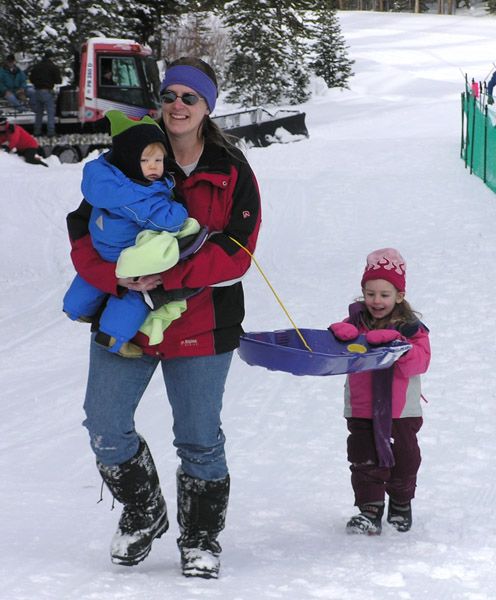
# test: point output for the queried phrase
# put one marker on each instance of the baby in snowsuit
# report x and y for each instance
(129, 194)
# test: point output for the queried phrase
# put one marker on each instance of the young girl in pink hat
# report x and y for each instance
(382, 407)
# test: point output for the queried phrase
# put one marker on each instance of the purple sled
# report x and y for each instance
(283, 350)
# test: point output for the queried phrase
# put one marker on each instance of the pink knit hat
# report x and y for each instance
(388, 264)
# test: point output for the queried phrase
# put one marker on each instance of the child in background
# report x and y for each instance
(128, 193)
(382, 407)
(14, 138)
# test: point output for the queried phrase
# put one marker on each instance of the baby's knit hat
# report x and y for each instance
(129, 139)
(388, 264)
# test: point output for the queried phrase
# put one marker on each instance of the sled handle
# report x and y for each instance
(273, 291)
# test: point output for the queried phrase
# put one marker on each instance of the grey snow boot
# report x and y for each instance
(400, 515)
(368, 521)
(201, 513)
(136, 485)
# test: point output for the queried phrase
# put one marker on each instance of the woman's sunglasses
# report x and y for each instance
(169, 97)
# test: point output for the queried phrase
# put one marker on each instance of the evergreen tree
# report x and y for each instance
(265, 61)
(409, 6)
(74, 21)
(29, 27)
(491, 7)
(292, 19)
(59, 25)
(18, 25)
(150, 22)
(163, 25)
(257, 56)
(330, 51)
(298, 89)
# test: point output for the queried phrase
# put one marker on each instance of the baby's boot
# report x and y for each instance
(400, 515)
(79, 318)
(124, 349)
(368, 521)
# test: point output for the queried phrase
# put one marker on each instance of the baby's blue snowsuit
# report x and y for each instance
(121, 209)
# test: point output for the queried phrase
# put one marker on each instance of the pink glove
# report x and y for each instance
(344, 331)
(382, 336)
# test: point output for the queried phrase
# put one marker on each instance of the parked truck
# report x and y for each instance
(122, 74)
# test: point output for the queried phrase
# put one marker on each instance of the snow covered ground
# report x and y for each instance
(381, 167)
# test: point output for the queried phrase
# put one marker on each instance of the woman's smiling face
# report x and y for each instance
(181, 119)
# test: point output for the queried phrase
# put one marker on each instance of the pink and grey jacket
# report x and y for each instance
(406, 391)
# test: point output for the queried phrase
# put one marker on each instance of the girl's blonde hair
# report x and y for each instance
(152, 147)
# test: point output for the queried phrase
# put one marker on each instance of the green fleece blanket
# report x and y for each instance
(153, 251)
(158, 320)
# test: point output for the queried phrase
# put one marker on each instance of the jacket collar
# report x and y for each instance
(213, 159)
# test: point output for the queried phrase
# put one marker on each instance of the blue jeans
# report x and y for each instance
(43, 101)
(195, 387)
(14, 101)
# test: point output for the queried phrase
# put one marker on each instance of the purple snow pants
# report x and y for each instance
(371, 482)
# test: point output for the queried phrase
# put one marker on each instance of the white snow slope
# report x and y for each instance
(381, 168)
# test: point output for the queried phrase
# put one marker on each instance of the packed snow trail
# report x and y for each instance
(381, 168)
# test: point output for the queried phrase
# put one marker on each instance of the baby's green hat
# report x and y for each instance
(129, 139)
(119, 122)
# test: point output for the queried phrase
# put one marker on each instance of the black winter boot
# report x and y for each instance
(368, 521)
(400, 515)
(135, 484)
(201, 513)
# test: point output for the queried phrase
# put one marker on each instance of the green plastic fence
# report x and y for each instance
(478, 144)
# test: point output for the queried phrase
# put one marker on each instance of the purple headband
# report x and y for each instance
(193, 78)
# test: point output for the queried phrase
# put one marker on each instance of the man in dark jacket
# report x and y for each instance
(44, 75)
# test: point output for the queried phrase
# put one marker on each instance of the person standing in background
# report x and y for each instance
(44, 76)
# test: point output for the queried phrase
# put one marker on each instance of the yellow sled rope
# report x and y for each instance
(273, 291)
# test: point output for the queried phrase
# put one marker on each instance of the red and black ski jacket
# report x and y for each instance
(17, 139)
(222, 194)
